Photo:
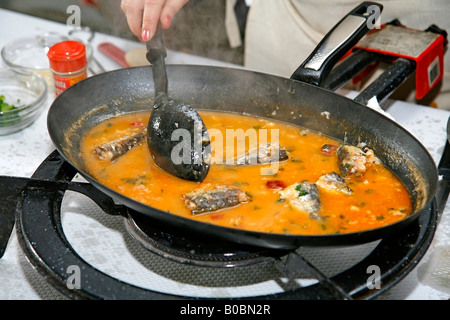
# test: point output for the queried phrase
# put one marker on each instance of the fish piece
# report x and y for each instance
(334, 183)
(112, 150)
(303, 196)
(214, 197)
(355, 161)
(263, 154)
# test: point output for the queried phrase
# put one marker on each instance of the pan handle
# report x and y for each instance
(337, 43)
(383, 86)
(444, 171)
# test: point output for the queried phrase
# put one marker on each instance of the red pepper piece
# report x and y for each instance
(137, 124)
(217, 216)
(328, 149)
(275, 185)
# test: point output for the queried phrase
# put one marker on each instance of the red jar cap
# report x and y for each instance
(67, 56)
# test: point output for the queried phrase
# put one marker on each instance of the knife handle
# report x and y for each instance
(115, 53)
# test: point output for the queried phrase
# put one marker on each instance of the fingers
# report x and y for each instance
(169, 10)
(152, 13)
(143, 15)
(133, 12)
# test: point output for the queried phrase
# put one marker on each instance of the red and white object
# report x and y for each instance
(426, 48)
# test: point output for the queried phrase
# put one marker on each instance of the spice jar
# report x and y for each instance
(68, 64)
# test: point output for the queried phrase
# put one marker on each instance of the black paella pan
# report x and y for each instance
(293, 100)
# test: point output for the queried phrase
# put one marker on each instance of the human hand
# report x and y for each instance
(143, 15)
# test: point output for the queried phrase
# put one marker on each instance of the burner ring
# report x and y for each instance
(191, 249)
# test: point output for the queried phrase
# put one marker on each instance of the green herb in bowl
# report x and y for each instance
(4, 106)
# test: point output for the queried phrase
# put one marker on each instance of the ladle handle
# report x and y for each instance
(156, 54)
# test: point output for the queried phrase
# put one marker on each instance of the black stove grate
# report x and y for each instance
(38, 224)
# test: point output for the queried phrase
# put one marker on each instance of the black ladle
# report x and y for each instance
(177, 136)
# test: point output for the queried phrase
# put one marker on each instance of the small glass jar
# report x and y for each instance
(68, 64)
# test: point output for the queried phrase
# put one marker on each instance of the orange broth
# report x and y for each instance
(379, 198)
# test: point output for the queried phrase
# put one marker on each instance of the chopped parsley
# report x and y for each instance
(301, 192)
(6, 106)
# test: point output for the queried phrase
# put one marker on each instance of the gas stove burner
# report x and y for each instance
(41, 235)
(189, 248)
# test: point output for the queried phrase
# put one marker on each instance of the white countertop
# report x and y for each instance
(24, 151)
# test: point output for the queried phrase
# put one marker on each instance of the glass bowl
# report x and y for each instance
(24, 94)
(31, 53)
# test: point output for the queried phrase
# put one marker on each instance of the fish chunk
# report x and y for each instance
(114, 149)
(355, 161)
(263, 154)
(334, 183)
(213, 197)
(303, 196)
